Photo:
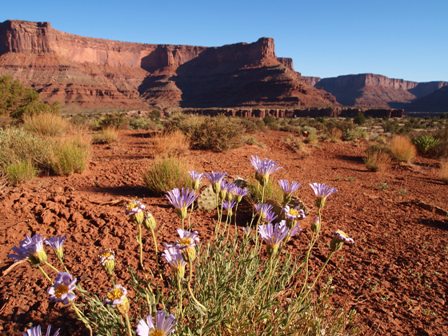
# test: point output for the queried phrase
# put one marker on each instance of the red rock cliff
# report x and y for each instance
(73, 69)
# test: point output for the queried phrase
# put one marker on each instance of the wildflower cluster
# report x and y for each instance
(254, 281)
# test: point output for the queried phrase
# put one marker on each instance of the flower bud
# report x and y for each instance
(316, 225)
(150, 222)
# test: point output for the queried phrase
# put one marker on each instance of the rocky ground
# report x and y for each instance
(395, 276)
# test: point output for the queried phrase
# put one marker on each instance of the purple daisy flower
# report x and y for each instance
(240, 193)
(293, 213)
(56, 243)
(339, 239)
(31, 248)
(117, 295)
(196, 178)
(265, 212)
(215, 179)
(273, 234)
(228, 206)
(164, 325)
(295, 230)
(181, 199)
(287, 187)
(263, 168)
(188, 238)
(37, 331)
(173, 255)
(135, 207)
(63, 287)
(322, 191)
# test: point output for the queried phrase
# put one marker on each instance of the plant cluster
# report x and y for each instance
(241, 281)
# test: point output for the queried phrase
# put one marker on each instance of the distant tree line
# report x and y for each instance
(17, 100)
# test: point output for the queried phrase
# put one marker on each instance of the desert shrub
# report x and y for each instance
(171, 144)
(252, 125)
(391, 126)
(443, 173)
(294, 144)
(426, 144)
(271, 122)
(218, 134)
(17, 100)
(335, 134)
(377, 158)
(20, 171)
(356, 133)
(18, 145)
(166, 174)
(46, 124)
(310, 135)
(402, 148)
(105, 136)
(359, 119)
(144, 123)
(442, 136)
(70, 156)
(112, 120)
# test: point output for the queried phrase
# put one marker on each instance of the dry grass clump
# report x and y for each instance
(173, 144)
(378, 158)
(165, 174)
(443, 173)
(70, 155)
(107, 135)
(20, 171)
(403, 149)
(46, 124)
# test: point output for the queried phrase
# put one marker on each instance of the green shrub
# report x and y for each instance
(20, 171)
(105, 136)
(18, 145)
(46, 124)
(442, 149)
(354, 134)
(166, 174)
(70, 156)
(359, 119)
(426, 144)
(218, 134)
(310, 134)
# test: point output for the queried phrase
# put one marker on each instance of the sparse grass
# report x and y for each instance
(70, 156)
(166, 174)
(443, 173)
(107, 135)
(173, 144)
(272, 192)
(46, 124)
(377, 158)
(310, 134)
(403, 149)
(20, 171)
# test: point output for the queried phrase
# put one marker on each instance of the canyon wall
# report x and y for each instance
(92, 72)
(376, 91)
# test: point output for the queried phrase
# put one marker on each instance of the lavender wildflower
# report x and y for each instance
(187, 242)
(63, 287)
(339, 239)
(37, 331)
(263, 168)
(181, 199)
(135, 209)
(31, 248)
(240, 193)
(293, 214)
(273, 235)
(117, 297)
(322, 191)
(163, 326)
(173, 255)
(288, 189)
(215, 179)
(197, 178)
(229, 205)
(265, 212)
(56, 243)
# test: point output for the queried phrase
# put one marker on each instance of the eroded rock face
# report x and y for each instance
(375, 91)
(94, 72)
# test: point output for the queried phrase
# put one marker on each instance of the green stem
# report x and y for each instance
(155, 242)
(44, 273)
(179, 289)
(128, 324)
(52, 267)
(190, 280)
(140, 244)
(82, 318)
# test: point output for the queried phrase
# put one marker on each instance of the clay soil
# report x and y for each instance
(395, 276)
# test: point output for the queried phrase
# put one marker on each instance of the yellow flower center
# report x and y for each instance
(293, 212)
(156, 332)
(185, 241)
(106, 254)
(61, 289)
(115, 294)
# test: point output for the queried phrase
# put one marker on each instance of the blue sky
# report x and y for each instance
(398, 38)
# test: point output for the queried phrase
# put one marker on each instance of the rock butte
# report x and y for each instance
(91, 72)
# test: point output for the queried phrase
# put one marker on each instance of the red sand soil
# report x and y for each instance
(395, 276)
